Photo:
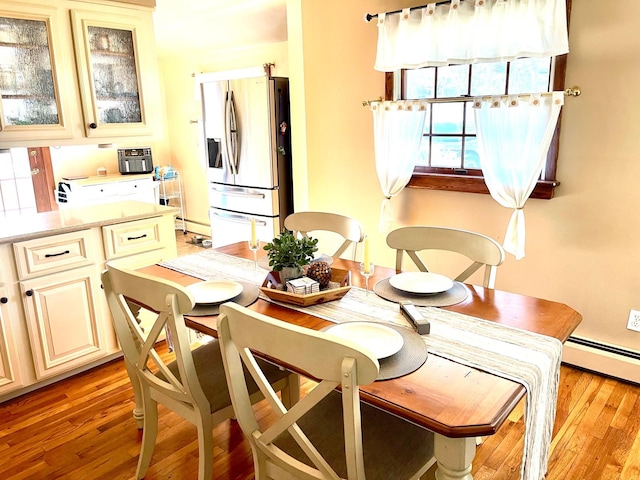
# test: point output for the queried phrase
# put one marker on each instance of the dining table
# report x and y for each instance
(456, 401)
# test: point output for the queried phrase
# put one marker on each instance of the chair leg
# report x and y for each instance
(149, 435)
(259, 465)
(205, 448)
(138, 410)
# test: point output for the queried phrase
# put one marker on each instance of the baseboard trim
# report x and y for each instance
(602, 358)
(197, 227)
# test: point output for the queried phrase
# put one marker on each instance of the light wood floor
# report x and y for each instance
(82, 428)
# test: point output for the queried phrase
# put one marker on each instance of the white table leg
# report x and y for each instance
(454, 456)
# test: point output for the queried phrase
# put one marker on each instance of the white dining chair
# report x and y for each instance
(329, 433)
(349, 229)
(194, 384)
(480, 249)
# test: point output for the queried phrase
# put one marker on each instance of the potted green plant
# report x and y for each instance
(288, 254)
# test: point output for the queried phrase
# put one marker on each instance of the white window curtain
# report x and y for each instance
(397, 130)
(514, 134)
(471, 31)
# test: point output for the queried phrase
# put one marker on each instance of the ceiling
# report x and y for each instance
(218, 24)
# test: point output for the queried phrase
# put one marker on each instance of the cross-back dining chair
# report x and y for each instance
(349, 228)
(327, 434)
(480, 249)
(194, 384)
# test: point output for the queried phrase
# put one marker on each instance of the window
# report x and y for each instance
(448, 155)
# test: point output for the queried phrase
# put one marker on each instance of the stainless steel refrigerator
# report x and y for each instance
(247, 149)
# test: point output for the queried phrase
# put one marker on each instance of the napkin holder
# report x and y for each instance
(338, 287)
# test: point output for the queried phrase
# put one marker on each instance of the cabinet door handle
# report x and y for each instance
(93, 125)
(56, 254)
(137, 238)
(29, 293)
(4, 300)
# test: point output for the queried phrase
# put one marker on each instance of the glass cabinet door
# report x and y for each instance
(111, 71)
(29, 94)
(115, 77)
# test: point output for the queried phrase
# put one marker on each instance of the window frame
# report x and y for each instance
(453, 180)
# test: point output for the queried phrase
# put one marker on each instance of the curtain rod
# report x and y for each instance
(368, 17)
(574, 91)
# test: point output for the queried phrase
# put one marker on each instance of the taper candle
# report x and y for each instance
(367, 255)
(254, 240)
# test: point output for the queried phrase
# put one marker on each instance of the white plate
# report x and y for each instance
(382, 341)
(215, 291)
(421, 282)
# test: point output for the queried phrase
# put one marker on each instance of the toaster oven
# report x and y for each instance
(135, 160)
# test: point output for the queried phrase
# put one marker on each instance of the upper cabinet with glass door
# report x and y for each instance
(31, 106)
(116, 69)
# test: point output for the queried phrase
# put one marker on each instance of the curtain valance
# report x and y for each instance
(471, 31)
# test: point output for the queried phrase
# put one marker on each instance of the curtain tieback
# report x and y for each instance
(519, 208)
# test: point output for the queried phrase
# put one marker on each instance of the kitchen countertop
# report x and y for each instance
(27, 227)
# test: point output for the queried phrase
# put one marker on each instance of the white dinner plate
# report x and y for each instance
(215, 291)
(381, 340)
(421, 282)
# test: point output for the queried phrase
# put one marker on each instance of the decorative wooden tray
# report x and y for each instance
(340, 278)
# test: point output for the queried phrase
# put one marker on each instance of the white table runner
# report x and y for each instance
(525, 357)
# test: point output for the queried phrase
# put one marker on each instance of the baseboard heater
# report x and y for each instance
(607, 348)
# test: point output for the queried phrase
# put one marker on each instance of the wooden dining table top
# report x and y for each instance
(444, 396)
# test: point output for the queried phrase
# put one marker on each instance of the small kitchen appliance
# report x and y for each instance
(135, 160)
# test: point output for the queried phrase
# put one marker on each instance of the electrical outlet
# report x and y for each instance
(634, 320)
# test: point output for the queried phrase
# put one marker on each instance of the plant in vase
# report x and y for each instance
(288, 254)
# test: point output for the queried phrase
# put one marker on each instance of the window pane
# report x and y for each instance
(470, 120)
(420, 83)
(423, 154)
(453, 81)
(447, 117)
(529, 75)
(471, 155)
(488, 78)
(446, 152)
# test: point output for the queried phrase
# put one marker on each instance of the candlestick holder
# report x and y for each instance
(366, 273)
(254, 247)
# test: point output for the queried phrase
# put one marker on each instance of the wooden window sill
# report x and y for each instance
(472, 184)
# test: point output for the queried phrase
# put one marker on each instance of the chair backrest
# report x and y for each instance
(127, 290)
(482, 250)
(330, 360)
(350, 229)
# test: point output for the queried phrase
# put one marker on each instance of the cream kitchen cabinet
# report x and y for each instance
(10, 372)
(32, 74)
(65, 321)
(77, 72)
(55, 314)
(59, 282)
(116, 64)
(140, 242)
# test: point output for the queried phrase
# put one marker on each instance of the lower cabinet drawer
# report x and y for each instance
(53, 254)
(132, 237)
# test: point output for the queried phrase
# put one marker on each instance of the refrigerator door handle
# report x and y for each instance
(239, 218)
(238, 192)
(232, 132)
